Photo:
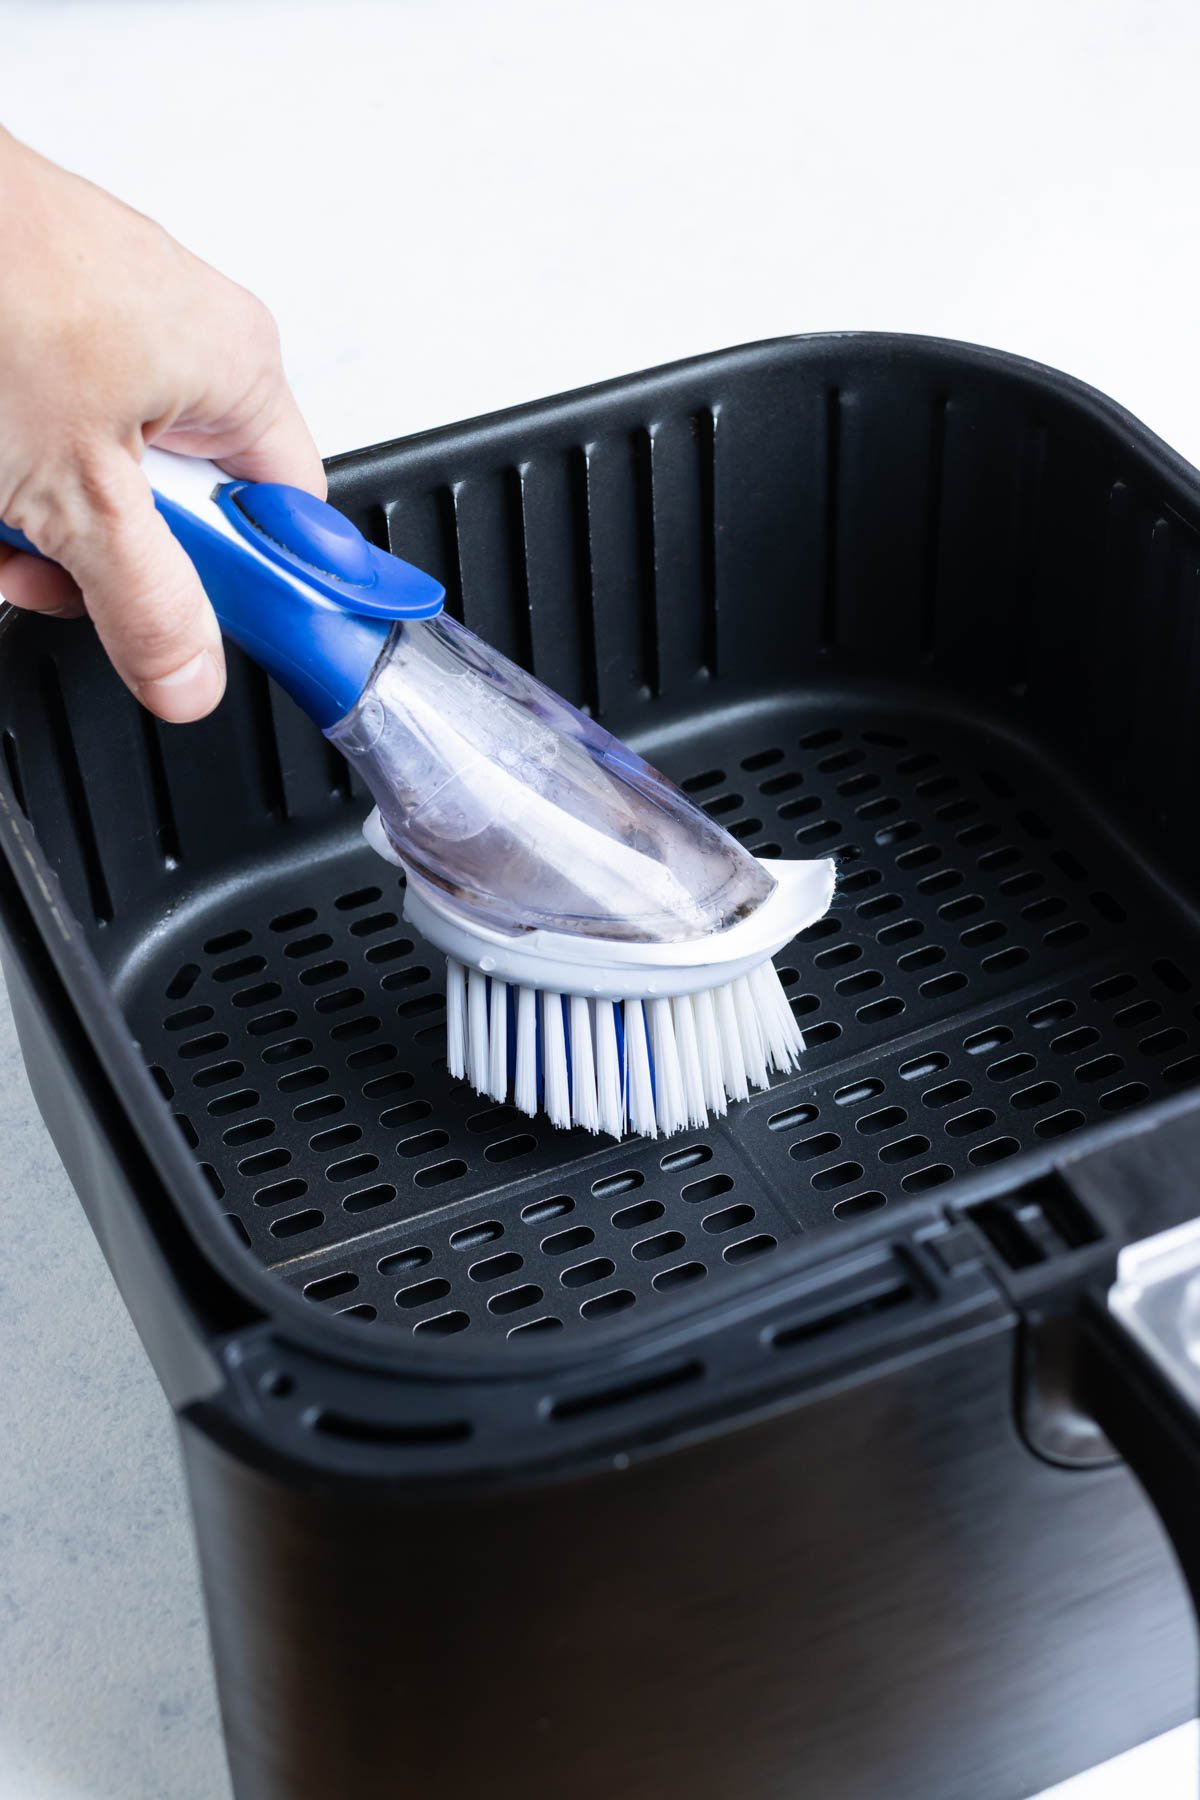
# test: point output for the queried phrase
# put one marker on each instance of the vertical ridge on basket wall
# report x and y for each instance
(422, 527)
(232, 752)
(166, 826)
(446, 500)
(1066, 579)
(262, 723)
(1159, 702)
(679, 477)
(371, 520)
(118, 853)
(885, 441)
(12, 768)
(340, 782)
(706, 439)
(416, 530)
(1109, 670)
(314, 779)
(490, 561)
(83, 874)
(522, 611)
(828, 569)
(933, 596)
(620, 522)
(125, 855)
(558, 572)
(525, 582)
(645, 536)
(1029, 512)
(973, 523)
(770, 517)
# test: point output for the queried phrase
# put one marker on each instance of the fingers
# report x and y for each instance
(37, 586)
(284, 451)
(258, 433)
(142, 593)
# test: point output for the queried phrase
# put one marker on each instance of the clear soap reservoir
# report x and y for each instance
(525, 813)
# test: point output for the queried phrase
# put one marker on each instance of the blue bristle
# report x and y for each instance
(619, 1017)
(649, 1048)
(512, 1034)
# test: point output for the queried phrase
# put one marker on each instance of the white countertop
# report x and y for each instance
(454, 205)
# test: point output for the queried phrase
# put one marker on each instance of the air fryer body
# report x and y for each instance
(760, 1461)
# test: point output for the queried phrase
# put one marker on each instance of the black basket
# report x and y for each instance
(533, 1466)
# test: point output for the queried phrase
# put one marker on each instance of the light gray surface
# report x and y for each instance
(105, 1686)
(454, 205)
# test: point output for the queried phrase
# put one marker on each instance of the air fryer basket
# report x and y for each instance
(848, 622)
(997, 974)
(924, 607)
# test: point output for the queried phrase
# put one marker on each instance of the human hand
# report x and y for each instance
(112, 336)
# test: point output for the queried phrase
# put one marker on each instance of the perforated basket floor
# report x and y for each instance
(995, 975)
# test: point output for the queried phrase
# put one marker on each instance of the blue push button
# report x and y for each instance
(326, 553)
(310, 529)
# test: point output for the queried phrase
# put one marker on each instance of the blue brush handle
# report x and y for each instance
(292, 581)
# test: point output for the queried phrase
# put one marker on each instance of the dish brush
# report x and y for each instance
(609, 946)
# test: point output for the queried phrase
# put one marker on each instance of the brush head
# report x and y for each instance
(609, 944)
(616, 1037)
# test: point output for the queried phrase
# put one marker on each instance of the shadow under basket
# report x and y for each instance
(763, 1459)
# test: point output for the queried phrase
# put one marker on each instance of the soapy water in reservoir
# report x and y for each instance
(528, 813)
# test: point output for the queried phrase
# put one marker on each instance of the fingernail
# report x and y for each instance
(188, 692)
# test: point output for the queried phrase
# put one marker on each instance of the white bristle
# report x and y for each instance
(556, 1088)
(684, 1017)
(583, 1066)
(525, 1093)
(684, 1059)
(733, 1061)
(610, 1098)
(754, 1050)
(498, 1047)
(784, 1043)
(456, 1019)
(668, 1076)
(638, 1084)
(709, 1044)
(477, 1031)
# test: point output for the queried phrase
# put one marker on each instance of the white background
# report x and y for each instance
(452, 207)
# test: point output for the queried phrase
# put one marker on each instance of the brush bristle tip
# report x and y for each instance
(656, 1066)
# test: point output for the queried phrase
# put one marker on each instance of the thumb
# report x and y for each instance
(142, 593)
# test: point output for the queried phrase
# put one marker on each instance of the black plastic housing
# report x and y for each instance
(755, 1460)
